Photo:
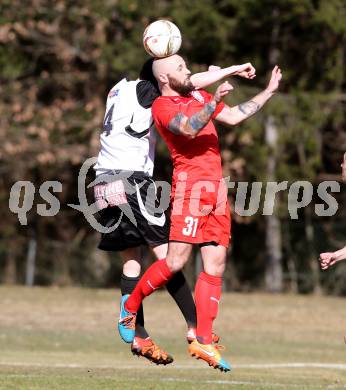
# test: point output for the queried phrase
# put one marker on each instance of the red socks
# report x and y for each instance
(156, 276)
(207, 297)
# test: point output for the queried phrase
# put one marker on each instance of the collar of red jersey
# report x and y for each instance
(195, 94)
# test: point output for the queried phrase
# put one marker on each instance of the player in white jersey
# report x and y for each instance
(132, 146)
(127, 193)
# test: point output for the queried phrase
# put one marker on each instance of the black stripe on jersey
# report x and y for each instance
(129, 130)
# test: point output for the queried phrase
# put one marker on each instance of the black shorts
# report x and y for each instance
(139, 219)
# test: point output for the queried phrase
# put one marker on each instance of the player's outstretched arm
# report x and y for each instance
(328, 259)
(234, 115)
(215, 73)
(191, 126)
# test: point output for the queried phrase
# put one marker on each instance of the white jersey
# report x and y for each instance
(129, 137)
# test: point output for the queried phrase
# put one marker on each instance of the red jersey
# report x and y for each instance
(199, 157)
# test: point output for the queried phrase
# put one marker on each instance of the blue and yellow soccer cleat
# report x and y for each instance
(127, 322)
(209, 353)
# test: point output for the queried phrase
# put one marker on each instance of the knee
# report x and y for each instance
(177, 257)
(131, 262)
(132, 268)
(175, 263)
(216, 268)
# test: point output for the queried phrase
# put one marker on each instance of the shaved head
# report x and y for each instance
(172, 75)
(166, 65)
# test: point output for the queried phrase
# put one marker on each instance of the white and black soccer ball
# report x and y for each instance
(162, 39)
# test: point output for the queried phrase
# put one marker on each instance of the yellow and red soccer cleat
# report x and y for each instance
(191, 336)
(210, 354)
(148, 349)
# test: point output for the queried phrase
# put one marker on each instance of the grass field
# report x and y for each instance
(65, 339)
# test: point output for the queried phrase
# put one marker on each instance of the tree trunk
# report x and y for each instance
(309, 233)
(314, 265)
(31, 262)
(291, 264)
(273, 242)
(273, 274)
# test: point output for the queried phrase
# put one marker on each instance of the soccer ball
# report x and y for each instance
(161, 39)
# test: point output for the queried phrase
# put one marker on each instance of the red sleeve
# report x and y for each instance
(218, 109)
(163, 111)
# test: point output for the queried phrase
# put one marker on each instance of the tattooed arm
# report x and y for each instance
(237, 114)
(191, 126)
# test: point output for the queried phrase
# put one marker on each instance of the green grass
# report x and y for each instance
(66, 339)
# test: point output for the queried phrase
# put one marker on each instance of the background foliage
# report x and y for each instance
(58, 59)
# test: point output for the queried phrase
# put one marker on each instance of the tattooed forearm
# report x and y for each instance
(199, 120)
(249, 108)
(182, 125)
(176, 123)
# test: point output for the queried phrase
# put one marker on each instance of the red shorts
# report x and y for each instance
(201, 214)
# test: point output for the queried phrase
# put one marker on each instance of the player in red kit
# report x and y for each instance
(200, 213)
(197, 161)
